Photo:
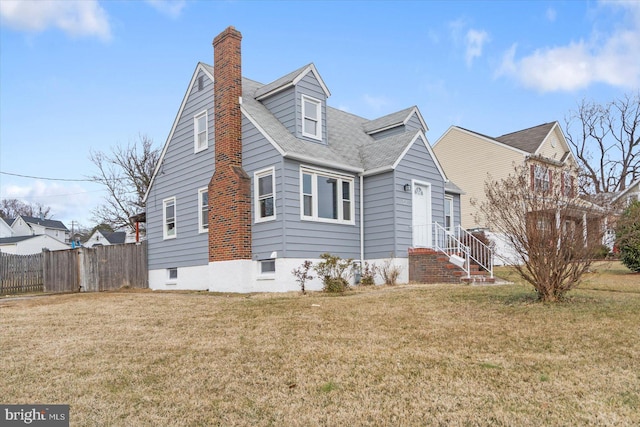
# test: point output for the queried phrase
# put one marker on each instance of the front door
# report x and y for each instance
(421, 215)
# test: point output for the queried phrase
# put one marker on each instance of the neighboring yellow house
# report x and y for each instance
(469, 158)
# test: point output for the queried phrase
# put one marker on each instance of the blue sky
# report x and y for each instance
(90, 75)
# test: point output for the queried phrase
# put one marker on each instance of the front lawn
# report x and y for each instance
(404, 355)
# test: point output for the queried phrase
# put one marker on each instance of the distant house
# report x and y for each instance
(27, 245)
(32, 226)
(631, 193)
(469, 158)
(258, 178)
(5, 229)
(103, 238)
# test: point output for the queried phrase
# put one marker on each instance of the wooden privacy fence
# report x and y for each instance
(95, 269)
(101, 268)
(20, 273)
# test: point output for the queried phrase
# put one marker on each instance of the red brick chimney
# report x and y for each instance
(230, 186)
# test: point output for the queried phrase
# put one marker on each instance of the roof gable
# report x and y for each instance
(528, 140)
(289, 80)
(477, 135)
(46, 223)
(394, 119)
(350, 144)
(208, 71)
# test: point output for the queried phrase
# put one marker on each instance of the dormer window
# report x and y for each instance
(311, 118)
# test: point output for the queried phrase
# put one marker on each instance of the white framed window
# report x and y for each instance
(267, 268)
(169, 218)
(172, 276)
(200, 132)
(203, 210)
(541, 178)
(326, 196)
(264, 194)
(448, 213)
(311, 117)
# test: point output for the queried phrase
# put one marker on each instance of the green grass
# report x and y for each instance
(405, 355)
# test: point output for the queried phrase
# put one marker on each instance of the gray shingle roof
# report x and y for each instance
(348, 143)
(527, 139)
(15, 239)
(389, 120)
(282, 81)
(450, 187)
(117, 237)
(47, 223)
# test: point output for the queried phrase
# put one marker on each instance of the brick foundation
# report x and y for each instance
(429, 266)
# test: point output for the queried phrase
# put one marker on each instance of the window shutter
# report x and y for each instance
(533, 177)
(550, 180)
(572, 190)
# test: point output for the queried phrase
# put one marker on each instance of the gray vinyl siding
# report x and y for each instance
(389, 132)
(181, 174)
(379, 216)
(456, 208)
(414, 123)
(283, 106)
(310, 239)
(417, 164)
(258, 154)
(310, 86)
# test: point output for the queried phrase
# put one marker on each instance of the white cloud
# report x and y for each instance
(76, 18)
(551, 14)
(67, 201)
(171, 8)
(610, 59)
(376, 103)
(475, 40)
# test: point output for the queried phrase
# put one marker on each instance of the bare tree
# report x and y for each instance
(606, 141)
(553, 233)
(12, 208)
(126, 173)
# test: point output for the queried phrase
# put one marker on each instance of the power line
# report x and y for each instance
(48, 179)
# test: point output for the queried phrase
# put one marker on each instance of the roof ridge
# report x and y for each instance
(525, 129)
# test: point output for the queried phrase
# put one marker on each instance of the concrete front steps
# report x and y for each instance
(430, 266)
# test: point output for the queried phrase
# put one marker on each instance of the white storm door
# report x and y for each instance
(421, 215)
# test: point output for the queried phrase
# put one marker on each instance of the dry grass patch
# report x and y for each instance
(407, 355)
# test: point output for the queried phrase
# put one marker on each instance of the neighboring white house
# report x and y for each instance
(32, 226)
(103, 238)
(5, 229)
(631, 193)
(27, 245)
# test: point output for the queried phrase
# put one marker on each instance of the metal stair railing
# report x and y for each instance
(449, 244)
(480, 253)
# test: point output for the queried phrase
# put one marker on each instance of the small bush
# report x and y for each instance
(628, 236)
(602, 252)
(369, 273)
(335, 272)
(390, 271)
(302, 274)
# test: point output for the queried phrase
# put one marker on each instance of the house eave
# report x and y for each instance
(323, 163)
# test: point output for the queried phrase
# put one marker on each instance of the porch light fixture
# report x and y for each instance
(407, 187)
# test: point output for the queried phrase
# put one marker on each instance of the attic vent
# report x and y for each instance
(200, 83)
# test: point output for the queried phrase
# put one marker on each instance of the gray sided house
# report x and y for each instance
(314, 179)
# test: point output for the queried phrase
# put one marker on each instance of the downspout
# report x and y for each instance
(361, 219)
